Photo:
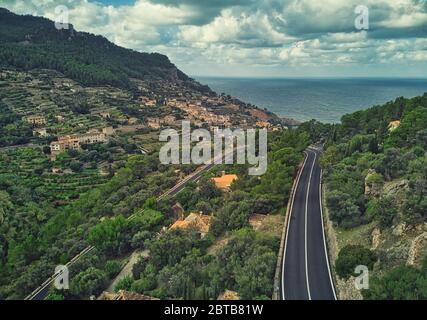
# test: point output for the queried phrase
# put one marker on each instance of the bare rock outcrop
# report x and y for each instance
(347, 289)
(418, 247)
(376, 238)
(373, 184)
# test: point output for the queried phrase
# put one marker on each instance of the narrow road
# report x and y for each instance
(306, 272)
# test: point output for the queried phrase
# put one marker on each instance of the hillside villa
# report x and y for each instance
(198, 221)
(36, 120)
(74, 141)
(224, 182)
(393, 125)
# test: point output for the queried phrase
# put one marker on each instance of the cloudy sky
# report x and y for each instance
(266, 38)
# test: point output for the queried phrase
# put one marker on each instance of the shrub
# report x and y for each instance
(112, 268)
(350, 257)
(401, 283)
(144, 285)
(89, 282)
(382, 210)
(343, 211)
(124, 284)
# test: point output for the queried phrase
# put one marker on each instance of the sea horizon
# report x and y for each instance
(305, 77)
(325, 99)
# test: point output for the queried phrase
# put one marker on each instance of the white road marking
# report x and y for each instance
(305, 229)
(289, 222)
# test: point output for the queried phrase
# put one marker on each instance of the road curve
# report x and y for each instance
(306, 271)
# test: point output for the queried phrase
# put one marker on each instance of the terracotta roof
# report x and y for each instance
(225, 181)
(199, 221)
(393, 124)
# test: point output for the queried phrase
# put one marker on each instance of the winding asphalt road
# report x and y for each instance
(306, 272)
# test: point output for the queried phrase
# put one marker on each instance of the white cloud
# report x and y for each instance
(238, 34)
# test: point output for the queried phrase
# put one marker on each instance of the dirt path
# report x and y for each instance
(127, 270)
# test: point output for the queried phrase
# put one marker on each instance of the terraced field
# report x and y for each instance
(31, 168)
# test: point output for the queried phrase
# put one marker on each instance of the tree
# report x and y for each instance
(400, 283)
(46, 149)
(112, 268)
(406, 134)
(255, 278)
(76, 166)
(145, 284)
(246, 264)
(391, 165)
(89, 282)
(110, 235)
(139, 267)
(182, 279)
(150, 203)
(375, 181)
(171, 247)
(124, 284)
(352, 256)
(233, 216)
(54, 296)
(204, 207)
(139, 239)
(329, 158)
(415, 206)
(342, 209)
(208, 190)
(382, 210)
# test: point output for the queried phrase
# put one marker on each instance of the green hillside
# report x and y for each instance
(28, 42)
(375, 169)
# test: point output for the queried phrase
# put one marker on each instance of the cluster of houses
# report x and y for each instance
(198, 112)
(74, 141)
(156, 123)
(219, 111)
(70, 141)
(37, 121)
(147, 102)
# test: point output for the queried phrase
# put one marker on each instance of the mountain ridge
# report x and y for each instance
(30, 42)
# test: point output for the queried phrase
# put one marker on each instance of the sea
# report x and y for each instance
(323, 99)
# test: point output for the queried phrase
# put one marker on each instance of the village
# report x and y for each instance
(70, 115)
(75, 139)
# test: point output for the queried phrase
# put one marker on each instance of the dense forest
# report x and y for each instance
(28, 42)
(376, 175)
(38, 232)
